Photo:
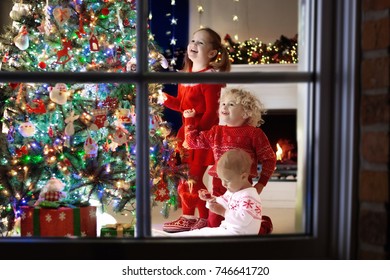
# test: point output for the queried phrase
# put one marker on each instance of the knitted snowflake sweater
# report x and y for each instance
(221, 138)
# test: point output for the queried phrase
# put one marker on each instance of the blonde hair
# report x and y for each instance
(236, 160)
(221, 61)
(252, 106)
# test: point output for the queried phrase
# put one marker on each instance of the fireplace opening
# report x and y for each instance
(280, 126)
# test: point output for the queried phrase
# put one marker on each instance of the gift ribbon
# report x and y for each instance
(76, 222)
(120, 227)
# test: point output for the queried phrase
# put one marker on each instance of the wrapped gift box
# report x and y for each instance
(62, 221)
(117, 230)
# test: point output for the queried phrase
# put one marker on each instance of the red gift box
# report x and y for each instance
(63, 221)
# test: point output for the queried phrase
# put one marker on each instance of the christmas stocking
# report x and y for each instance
(100, 119)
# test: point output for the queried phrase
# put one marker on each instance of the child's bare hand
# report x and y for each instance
(162, 97)
(216, 208)
(190, 184)
(185, 144)
(205, 195)
(189, 113)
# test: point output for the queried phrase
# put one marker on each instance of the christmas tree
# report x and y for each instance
(81, 134)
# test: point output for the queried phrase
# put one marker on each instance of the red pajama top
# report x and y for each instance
(221, 138)
(204, 98)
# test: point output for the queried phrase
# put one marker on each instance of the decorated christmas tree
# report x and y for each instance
(80, 134)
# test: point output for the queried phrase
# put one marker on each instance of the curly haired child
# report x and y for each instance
(241, 114)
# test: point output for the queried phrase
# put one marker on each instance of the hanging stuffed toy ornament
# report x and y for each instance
(119, 20)
(90, 148)
(61, 15)
(37, 107)
(100, 119)
(59, 93)
(21, 40)
(131, 65)
(22, 151)
(52, 191)
(69, 128)
(133, 115)
(119, 137)
(111, 103)
(18, 11)
(27, 129)
(162, 192)
(154, 122)
(163, 61)
(123, 115)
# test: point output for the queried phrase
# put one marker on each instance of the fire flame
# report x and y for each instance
(279, 152)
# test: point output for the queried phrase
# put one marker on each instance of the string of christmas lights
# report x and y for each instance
(253, 51)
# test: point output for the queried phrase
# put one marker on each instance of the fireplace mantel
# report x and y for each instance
(274, 96)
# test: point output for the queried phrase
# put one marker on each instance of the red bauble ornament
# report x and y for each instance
(105, 11)
(13, 85)
(42, 65)
(126, 22)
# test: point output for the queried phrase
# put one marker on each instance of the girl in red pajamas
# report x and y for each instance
(241, 114)
(201, 56)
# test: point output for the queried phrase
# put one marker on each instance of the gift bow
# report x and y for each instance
(119, 227)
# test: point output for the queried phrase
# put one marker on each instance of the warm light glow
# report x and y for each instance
(279, 152)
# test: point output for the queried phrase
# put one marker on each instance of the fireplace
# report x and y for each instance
(281, 129)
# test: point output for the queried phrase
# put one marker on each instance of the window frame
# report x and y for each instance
(331, 154)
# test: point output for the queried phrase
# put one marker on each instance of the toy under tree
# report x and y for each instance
(80, 134)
